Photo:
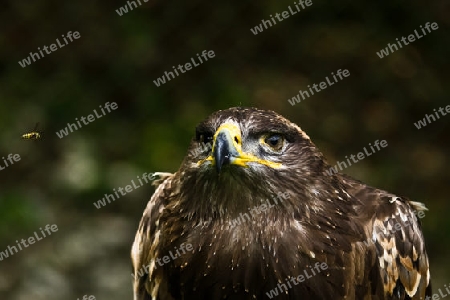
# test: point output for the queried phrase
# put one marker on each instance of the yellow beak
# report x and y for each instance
(227, 149)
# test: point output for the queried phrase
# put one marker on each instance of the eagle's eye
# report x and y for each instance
(204, 137)
(274, 141)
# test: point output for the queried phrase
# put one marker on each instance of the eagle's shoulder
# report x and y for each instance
(393, 227)
(147, 235)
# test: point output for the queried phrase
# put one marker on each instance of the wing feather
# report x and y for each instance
(144, 248)
(393, 227)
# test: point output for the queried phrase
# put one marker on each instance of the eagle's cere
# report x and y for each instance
(350, 240)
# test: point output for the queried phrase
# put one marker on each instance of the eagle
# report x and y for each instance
(252, 213)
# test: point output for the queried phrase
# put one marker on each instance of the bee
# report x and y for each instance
(33, 135)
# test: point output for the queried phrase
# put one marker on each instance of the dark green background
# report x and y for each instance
(117, 59)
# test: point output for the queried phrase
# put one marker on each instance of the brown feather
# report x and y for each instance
(359, 232)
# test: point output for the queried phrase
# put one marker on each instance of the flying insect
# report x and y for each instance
(33, 135)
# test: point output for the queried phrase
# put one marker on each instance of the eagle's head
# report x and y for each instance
(241, 157)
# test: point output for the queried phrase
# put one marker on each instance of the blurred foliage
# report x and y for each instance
(117, 58)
